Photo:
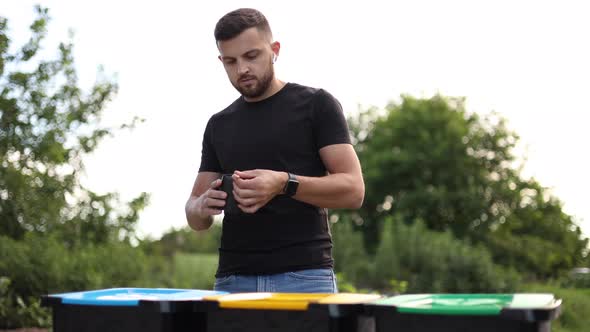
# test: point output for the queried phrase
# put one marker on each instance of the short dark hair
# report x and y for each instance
(235, 22)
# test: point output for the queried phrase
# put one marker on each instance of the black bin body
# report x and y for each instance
(465, 313)
(274, 312)
(129, 310)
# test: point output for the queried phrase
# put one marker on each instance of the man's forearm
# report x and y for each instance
(333, 191)
(195, 221)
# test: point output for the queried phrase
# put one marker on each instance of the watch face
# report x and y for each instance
(292, 186)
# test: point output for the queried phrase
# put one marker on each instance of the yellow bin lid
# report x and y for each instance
(286, 301)
(349, 298)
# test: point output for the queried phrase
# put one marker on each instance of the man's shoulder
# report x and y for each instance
(304, 92)
(310, 91)
(301, 89)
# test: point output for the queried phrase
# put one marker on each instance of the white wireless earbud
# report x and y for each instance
(274, 58)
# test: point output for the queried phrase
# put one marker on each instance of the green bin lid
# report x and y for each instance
(468, 304)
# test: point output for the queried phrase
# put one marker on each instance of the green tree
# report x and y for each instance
(55, 234)
(431, 160)
(47, 124)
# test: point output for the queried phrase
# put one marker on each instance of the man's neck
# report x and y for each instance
(275, 86)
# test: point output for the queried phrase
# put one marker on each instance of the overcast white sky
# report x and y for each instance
(527, 60)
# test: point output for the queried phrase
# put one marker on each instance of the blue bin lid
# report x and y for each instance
(131, 296)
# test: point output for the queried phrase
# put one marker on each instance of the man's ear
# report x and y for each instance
(276, 48)
(219, 57)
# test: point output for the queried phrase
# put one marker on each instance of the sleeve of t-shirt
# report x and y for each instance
(209, 161)
(329, 125)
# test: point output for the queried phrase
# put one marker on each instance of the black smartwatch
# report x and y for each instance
(291, 185)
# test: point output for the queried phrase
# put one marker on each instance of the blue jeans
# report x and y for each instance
(304, 281)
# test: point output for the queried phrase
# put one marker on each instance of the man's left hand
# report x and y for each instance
(253, 189)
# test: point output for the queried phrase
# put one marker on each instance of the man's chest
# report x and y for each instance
(265, 140)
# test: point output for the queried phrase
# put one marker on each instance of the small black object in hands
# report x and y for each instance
(227, 185)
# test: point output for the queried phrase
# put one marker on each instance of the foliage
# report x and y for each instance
(47, 124)
(38, 265)
(16, 311)
(436, 262)
(574, 308)
(55, 234)
(577, 278)
(431, 160)
(352, 263)
(194, 271)
(186, 240)
(411, 258)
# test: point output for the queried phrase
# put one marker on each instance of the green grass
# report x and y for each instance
(194, 271)
(575, 307)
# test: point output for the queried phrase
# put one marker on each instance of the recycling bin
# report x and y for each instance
(286, 312)
(129, 310)
(465, 312)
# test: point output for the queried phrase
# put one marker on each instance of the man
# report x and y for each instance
(288, 151)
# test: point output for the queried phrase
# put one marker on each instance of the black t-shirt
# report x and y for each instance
(283, 133)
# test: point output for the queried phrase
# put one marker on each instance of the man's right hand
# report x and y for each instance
(205, 201)
(212, 201)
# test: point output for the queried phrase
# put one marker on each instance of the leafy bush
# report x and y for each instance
(186, 240)
(577, 278)
(411, 258)
(39, 265)
(195, 271)
(15, 311)
(574, 308)
(352, 263)
(436, 262)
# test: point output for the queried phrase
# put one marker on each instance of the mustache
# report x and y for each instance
(246, 77)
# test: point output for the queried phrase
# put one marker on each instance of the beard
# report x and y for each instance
(258, 87)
